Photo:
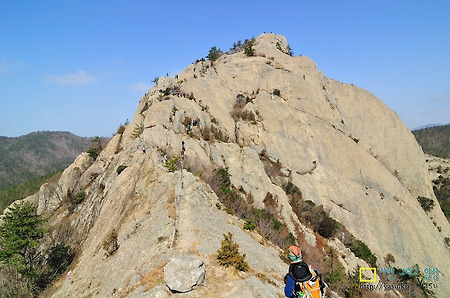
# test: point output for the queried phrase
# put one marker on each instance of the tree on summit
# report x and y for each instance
(214, 54)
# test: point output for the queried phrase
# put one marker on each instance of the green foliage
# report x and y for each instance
(120, 169)
(335, 275)
(59, 258)
(81, 195)
(327, 227)
(447, 241)
(276, 92)
(228, 254)
(93, 152)
(218, 205)
(441, 189)
(20, 234)
(353, 289)
(138, 130)
(277, 225)
(290, 189)
(434, 140)
(426, 203)
(288, 51)
(237, 46)
(214, 54)
(249, 225)
(225, 177)
(361, 250)
(166, 92)
(171, 165)
(266, 223)
(96, 148)
(155, 80)
(174, 111)
(248, 47)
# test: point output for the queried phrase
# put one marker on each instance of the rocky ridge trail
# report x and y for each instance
(270, 119)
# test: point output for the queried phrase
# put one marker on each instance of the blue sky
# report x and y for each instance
(82, 66)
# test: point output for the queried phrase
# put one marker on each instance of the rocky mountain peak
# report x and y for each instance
(275, 126)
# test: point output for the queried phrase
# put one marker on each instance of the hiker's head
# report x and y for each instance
(294, 254)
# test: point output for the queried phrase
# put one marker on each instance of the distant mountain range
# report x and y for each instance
(429, 125)
(434, 140)
(37, 154)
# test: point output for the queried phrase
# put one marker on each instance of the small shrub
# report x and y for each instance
(277, 225)
(389, 259)
(155, 80)
(361, 250)
(328, 227)
(291, 189)
(121, 129)
(81, 195)
(218, 205)
(93, 152)
(249, 225)
(166, 91)
(248, 47)
(120, 169)
(276, 92)
(59, 258)
(138, 130)
(228, 254)
(426, 203)
(214, 53)
(171, 165)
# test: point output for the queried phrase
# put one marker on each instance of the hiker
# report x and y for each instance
(302, 279)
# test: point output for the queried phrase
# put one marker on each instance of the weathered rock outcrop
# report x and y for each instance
(182, 275)
(339, 144)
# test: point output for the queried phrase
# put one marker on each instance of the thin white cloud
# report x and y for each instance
(6, 66)
(139, 87)
(78, 78)
(443, 96)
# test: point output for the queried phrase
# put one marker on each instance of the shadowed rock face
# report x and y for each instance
(340, 145)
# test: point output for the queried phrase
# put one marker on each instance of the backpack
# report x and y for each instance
(307, 281)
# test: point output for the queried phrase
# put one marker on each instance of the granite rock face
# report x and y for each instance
(183, 274)
(339, 144)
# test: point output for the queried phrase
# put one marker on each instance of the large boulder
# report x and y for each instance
(183, 274)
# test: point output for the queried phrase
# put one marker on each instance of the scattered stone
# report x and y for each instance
(183, 274)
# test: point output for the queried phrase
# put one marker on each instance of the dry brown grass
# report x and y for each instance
(153, 278)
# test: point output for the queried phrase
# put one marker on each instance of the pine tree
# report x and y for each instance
(20, 233)
(214, 54)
